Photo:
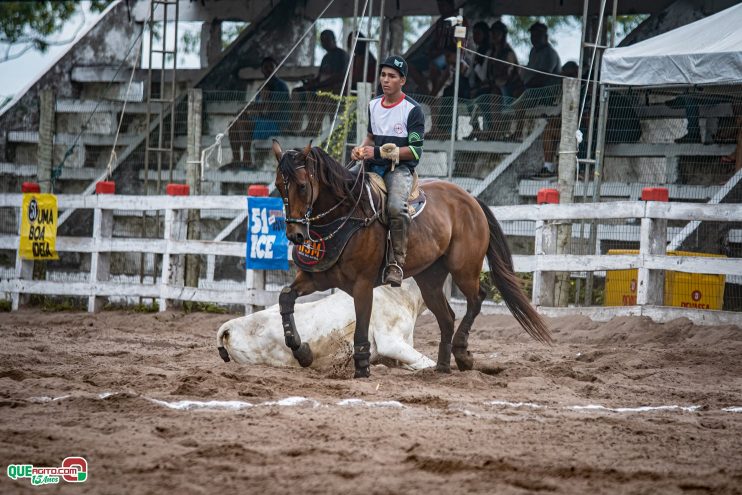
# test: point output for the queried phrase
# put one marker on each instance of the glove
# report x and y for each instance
(390, 151)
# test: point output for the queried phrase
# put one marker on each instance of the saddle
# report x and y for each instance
(415, 201)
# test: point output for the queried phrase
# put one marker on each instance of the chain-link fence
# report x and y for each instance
(679, 138)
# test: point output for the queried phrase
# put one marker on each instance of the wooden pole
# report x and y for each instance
(567, 173)
(45, 152)
(193, 179)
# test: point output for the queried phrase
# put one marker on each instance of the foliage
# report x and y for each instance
(49, 304)
(153, 307)
(33, 24)
(5, 306)
(335, 144)
(200, 307)
(525, 279)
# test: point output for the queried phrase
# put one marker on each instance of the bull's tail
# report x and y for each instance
(221, 334)
(503, 277)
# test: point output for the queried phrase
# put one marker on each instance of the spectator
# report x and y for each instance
(331, 69)
(261, 120)
(434, 59)
(444, 88)
(478, 74)
(330, 78)
(503, 78)
(358, 62)
(542, 58)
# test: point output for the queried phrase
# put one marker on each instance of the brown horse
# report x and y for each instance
(452, 235)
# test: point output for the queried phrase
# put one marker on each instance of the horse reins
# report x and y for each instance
(307, 219)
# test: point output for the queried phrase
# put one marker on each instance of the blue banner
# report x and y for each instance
(267, 245)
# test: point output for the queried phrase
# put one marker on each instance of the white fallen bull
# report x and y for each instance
(328, 326)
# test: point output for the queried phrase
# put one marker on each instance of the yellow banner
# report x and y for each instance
(39, 227)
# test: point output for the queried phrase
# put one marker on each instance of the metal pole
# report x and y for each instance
(381, 50)
(368, 35)
(454, 117)
(613, 23)
(352, 55)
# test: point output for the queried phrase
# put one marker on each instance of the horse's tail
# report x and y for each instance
(503, 277)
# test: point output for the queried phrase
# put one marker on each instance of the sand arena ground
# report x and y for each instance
(89, 385)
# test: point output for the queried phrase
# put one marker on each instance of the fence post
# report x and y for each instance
(364, 96)
(653, 241)
(193, 179)
(100, 261)
(567, 171)
(175, 230)
(23, 268)
(545, 241)
(45, 149)
(255, 282)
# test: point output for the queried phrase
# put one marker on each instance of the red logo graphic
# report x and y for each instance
(632, 285)
(399, 129)
(311, 252)
(696, 295)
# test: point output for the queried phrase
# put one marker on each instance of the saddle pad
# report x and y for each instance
(415, 202)
(318, 256)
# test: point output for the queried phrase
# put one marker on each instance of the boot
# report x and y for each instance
(393, 273)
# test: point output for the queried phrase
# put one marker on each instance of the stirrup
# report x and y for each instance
(385, 275)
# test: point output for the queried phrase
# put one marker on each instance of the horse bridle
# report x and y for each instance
(307, 219)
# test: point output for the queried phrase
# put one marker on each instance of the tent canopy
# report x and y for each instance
(708, 51)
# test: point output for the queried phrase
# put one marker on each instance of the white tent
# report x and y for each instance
(708, 51)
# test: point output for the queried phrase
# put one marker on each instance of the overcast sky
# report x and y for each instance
(16, 74)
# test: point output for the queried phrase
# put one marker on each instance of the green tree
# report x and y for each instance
(32, 25)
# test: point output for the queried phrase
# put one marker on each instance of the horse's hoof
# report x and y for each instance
(363, 372)
(443, 368)
(464, 361)
(304, 355)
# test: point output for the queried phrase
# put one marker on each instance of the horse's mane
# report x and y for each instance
(329, 172)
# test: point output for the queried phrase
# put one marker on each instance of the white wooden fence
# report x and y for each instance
(650, 262)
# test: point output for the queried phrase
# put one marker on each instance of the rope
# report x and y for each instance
(57, 171)
(520, 66)
(113, 158)
(347, 71)
(207, 152)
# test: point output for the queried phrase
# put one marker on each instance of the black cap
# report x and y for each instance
(395, 62)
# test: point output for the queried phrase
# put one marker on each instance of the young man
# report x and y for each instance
(394, 118)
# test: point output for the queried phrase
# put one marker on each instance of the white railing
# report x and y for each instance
(651, 260)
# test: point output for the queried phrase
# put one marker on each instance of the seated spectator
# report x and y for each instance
(331, 69)
(478, 74)
(359, 54)
(261, 120)
(542, 58)
(330, 79)
(503, 78)
(426, 66)
(442, 113)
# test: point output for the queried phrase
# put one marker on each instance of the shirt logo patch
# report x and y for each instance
(399, 129)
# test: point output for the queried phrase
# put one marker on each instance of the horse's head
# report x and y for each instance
(297, 181)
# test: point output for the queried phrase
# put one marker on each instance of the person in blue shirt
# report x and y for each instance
(394, 118)
(263, 119)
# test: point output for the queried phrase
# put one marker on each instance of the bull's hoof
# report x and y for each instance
(464, 360)
(443, 368)
(223, 354)
(363, 372)
(304, 355)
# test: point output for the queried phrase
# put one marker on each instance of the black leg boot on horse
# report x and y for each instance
(398, 184)
(301, 352)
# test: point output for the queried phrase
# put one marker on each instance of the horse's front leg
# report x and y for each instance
(363, 298)
(301, 286)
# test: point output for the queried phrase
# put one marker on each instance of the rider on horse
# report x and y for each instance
(397, 119)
